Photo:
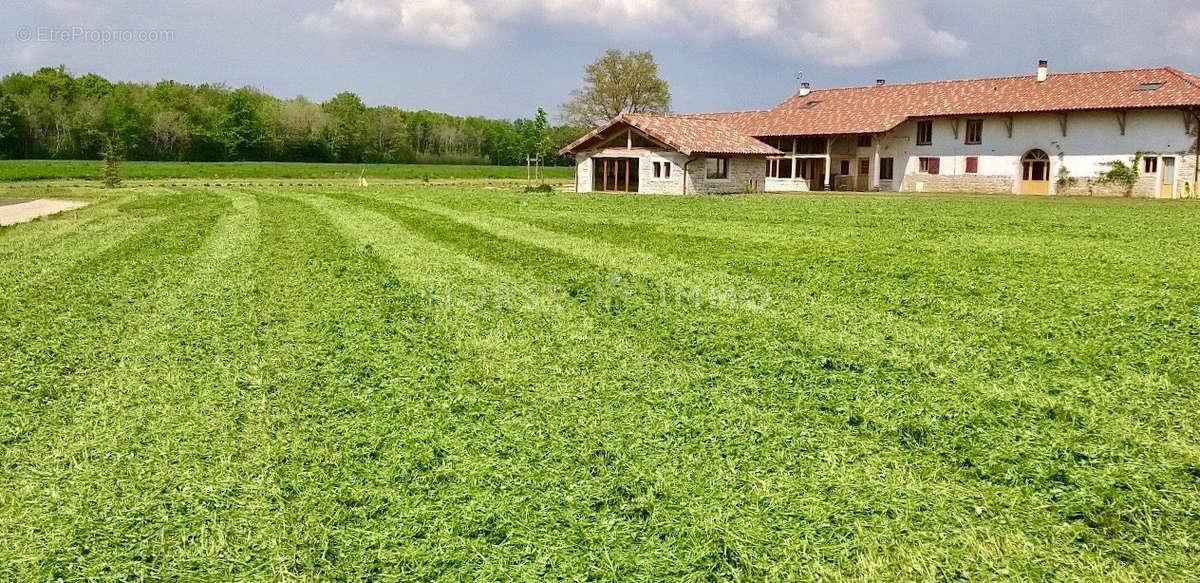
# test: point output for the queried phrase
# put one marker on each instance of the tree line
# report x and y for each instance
(54, 114)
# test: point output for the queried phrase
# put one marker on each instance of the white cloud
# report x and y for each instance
(839, 32)
(448, 23)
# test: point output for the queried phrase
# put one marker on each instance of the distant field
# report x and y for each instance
(428, 383)
(12, 170)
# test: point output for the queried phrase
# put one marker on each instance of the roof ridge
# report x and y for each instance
(688, 115)
(995, 78)
(1187, 77)
(756, 110)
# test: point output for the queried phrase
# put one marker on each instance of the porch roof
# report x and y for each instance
(687, 134)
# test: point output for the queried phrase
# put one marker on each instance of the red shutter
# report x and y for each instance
(935, 165)
(972, 165)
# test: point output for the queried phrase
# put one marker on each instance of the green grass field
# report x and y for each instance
(412, 383)
(17, 170)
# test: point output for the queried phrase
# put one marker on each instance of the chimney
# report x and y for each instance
(880, 82)
(1043, 70)
(805, 88)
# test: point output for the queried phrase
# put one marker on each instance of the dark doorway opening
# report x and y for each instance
(615, 174)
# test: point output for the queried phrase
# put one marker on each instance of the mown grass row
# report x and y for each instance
(17, 170)
(404, 383)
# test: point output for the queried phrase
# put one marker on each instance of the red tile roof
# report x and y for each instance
(880, 108)
(688, 134)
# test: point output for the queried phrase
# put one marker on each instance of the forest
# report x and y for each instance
(52, 114)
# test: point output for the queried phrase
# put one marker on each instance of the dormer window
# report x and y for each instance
(1153, 86)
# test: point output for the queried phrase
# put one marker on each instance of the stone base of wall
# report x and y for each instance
(746, 174)
(959, 183)
(1187, 177)
(786, 185)
(1146, 187)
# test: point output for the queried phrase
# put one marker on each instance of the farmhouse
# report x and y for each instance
(1032, 134)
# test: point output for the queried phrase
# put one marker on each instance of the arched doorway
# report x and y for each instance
(1035, 172)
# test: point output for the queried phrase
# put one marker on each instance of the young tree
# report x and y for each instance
(618, 83)
(110, 173)
(536, 140)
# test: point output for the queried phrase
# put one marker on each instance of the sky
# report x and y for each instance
(505, 59)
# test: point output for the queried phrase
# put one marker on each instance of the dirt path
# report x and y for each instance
(20, 212)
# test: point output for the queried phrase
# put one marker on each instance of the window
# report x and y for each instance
(885, 168)
(717, 168)
(1150, 164)
(864, 140)
(864, 166)
(844, 167)
(972, 165)
(658, 169)
(974, 131)
(1149, 86)
(925, 133)
(931, 165)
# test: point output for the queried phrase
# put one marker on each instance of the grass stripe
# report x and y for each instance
(544, 266)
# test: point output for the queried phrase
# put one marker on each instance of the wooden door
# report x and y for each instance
(1166, 188)
(1035, 173)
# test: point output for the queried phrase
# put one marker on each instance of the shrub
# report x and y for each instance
(1125, 175)
(110, 173)
(1065, 180)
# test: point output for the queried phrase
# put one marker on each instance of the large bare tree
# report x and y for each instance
(618, 83)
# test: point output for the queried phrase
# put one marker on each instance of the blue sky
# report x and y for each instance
(504, 58)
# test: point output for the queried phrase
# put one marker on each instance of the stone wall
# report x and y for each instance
(959, 183)
(673, 185)
(647, 183)
(1091, 186)
(1187, 176)
(786, 185)
(1146, 187)
(745, 173)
